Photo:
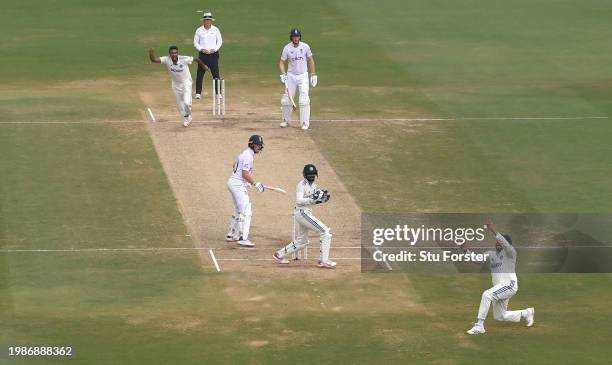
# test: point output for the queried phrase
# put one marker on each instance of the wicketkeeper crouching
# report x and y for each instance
(307, 195)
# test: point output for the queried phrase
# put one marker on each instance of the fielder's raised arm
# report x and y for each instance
(178, 69)
(501, 240)
(153, 57)
(502, 263)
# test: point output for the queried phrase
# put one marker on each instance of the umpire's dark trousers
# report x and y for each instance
(212, 61)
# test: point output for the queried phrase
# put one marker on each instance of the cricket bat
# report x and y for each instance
(290, 98)
(278, 190)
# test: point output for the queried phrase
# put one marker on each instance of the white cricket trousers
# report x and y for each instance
(240, 223)
(499, 296)
(297, 82)
(305, 222)
(294, 83)
(182, 94)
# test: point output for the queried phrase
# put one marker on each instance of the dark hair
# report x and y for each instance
(508, 238)
(171, 48)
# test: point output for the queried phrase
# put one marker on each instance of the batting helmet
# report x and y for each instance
(295, 32)
(256, 139)
(310, 172)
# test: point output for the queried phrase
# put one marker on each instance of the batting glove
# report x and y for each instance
(260, 187)
(283, 78)
(313, 80)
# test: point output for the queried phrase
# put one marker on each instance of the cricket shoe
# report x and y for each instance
(187, 121)
(327, 264)
(280, 260)
(530, 316)
(198, 96)
(476, 330)
(304, 127)
(284, 125)
(230, 238)
(246, 243)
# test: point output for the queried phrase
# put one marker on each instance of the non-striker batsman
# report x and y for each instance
(298, 56)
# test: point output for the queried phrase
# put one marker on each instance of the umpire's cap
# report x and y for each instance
(207, 15)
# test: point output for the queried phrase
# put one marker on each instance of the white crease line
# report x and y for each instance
(212, 254)
(106, 249)
(319, 120)
(452, 119)
(151, 115)
(385, 261)
(530, 118)
(74, 122)
(225, 249)
(442, 119)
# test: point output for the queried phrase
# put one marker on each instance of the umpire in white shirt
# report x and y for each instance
(207, 41)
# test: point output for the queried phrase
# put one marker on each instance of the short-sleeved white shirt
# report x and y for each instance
(180, 72)
(297, 57)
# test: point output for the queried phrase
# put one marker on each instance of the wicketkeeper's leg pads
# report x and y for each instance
(291, 248)
(326, 238)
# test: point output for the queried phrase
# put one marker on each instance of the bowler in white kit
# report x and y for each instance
(298, 56)
(307, 194)
(238, 184)
(502, 263)
(178, 68)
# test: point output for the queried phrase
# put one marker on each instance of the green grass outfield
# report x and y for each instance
(89, 183)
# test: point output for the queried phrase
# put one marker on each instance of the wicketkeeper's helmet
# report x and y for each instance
(310, 172)
(295, 33)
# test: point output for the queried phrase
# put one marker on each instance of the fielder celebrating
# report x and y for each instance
(178, 68)
(502, 262)
(308, 195)
(297, 54)
(238, 183)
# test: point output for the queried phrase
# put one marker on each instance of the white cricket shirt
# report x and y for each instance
(180, 72)
(503, 263)
(296, 57)
(243, 163)
(303, 195)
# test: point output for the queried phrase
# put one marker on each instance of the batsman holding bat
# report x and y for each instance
(298, 56)
(307, 195)
(238, 184)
